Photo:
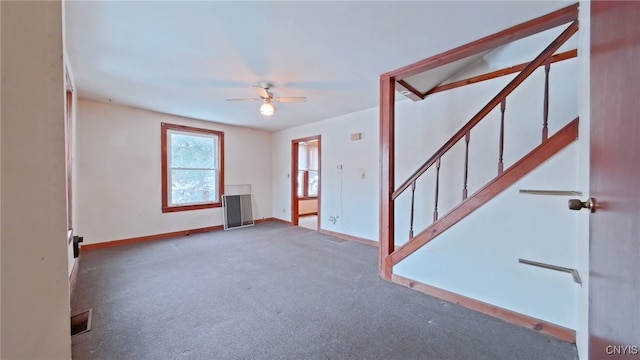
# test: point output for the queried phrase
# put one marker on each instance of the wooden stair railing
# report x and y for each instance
(533, 159)
(504, 178)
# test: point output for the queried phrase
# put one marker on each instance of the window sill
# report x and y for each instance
(307, 198)
(169, 209)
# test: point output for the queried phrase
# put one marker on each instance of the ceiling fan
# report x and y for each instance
(268, 106)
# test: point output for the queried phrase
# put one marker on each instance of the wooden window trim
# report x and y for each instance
(69, 159)
(166, 208)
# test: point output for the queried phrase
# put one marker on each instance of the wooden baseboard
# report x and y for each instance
(136, 240)
(273, 219)
(349, 237)
(509, 316)
(140, 239)
(73, 277)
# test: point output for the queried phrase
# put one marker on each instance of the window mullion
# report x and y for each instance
(306, 183)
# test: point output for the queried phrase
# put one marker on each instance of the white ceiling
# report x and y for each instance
(185, 58)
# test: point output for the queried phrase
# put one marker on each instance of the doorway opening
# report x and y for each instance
(305, 182)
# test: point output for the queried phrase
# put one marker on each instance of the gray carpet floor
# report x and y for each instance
(276, 292)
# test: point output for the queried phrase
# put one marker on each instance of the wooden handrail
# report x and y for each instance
(484, 77)
(526, 72)
(534, 26)
(533, 159)
(409, 91)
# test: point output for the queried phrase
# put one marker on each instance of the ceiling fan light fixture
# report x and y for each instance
(267, 109)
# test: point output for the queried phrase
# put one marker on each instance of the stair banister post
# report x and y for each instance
(503, 107)
(387, 166)
(467, 137)
(545, 110)
(413, 195)
(435, 210)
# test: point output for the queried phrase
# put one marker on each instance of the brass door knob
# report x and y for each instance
(577, 204)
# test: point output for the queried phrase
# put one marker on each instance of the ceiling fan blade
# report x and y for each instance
(291, 99)
(263, 90)
(245, 99)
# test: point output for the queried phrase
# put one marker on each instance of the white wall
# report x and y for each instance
(0, 180)
(74, 170)
(119, 173)
(582, 174)
(35, 296)
(344, 193)
(73, 132)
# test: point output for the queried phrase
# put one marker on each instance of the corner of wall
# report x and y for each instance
(34, 280)
(72, 132)
(108, 136)
(582, 173)
(1, 174)
(346, 191)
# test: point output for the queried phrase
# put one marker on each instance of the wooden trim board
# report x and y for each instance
(534, 26)
(498, 73)
(557, 331)
(387, 175)
(273, 219)
(140, 239)
(349, 237)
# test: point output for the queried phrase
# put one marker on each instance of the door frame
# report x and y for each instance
(295, 145)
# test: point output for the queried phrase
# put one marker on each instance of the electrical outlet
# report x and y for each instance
(284, 211)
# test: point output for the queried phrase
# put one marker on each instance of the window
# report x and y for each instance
(307, 183)
(192, 168)
(308, 169)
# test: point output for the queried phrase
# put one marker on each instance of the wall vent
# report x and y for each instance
(81, 322)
